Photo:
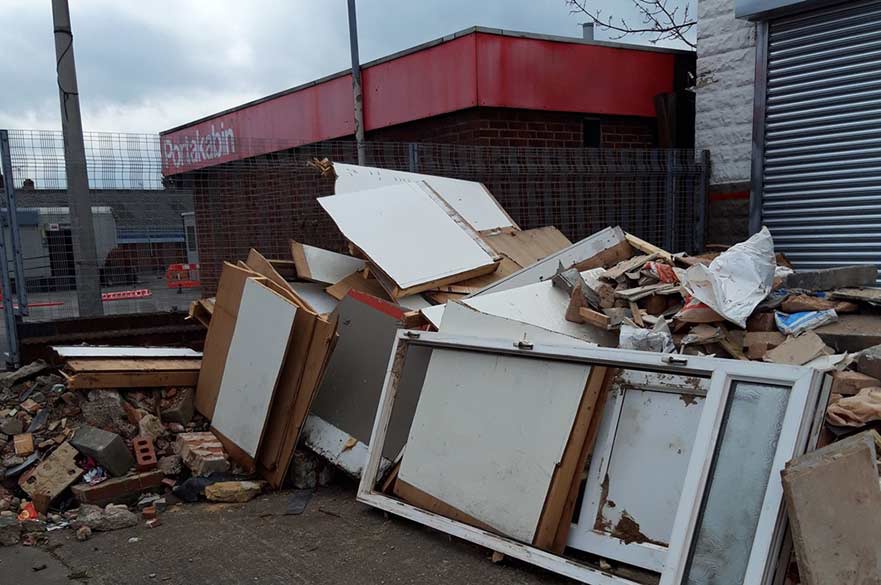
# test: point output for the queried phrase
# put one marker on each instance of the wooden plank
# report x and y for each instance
(595, 318)
(257, 352)
(629, 265)
(636, 313)
(223, 321)
(120, 380)
(395, 292)
(647, 248)
(571, 465)
(527, 247)
(380, 223)
(258, 263)
(568, 513)
(132, 365)
(356, 281)
(322, 266)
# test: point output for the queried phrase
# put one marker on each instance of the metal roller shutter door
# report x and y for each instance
(822, 160)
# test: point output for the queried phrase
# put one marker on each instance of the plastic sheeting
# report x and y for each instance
(737, 280)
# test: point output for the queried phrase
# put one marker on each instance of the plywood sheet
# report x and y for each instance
(320, 265)
(356, 281)
(471, 200)
(609, 246)
(529, 246)
(86, 351)
(476, 442)
(407, 235)
(256, 354)
(542, 305)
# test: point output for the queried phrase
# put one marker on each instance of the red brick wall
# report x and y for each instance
(628, 133)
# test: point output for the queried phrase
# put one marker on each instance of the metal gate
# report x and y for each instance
(821, 168)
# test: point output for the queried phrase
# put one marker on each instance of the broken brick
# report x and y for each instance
(848, 383)
(149, 513)
(761, 322)
(24, 444)
(30, 406)
(202, 453)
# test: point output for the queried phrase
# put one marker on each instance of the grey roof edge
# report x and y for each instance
(428, 45)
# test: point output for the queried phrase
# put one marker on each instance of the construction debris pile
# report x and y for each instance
(505, 386)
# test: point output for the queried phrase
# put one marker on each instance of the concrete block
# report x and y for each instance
(202, 453)
(118, 490)
(833, 499)
(180, 409)
(869, 362)
(852, 333)
(832, 278)
(848, 383)
(107, 449)
(145, 454)
(53, 475)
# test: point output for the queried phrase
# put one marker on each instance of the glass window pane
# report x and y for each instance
(741, 468)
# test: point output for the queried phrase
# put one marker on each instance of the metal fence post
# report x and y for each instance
(413, 157)
(669, 201)
(700, 225)
(12, 214)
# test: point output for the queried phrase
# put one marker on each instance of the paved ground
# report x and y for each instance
(337, 541)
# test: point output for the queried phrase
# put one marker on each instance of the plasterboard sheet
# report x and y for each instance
(471, 200)
(314, 293)
(409, 236)
(545, 269)
(349, 392)
(460, 319)
(434, 314)
(477, 442)
(87, 351)
(255, 358)
(337, 446)
(542, 305)
(323, 265)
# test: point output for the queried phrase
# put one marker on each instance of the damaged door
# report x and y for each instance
(635, 476)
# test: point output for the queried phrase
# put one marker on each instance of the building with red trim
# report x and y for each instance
(478, 87)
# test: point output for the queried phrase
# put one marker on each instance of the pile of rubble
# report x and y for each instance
(506, 386)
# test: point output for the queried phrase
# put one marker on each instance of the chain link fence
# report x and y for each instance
(161, 240)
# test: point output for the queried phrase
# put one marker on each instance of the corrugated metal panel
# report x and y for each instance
(822, 163)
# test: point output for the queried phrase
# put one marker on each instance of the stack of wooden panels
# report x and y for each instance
(88, 367)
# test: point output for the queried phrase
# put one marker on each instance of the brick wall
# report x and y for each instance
(265, 201)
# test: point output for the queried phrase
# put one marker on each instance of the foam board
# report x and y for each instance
(256, 354)
(471, 200)
(320, 265)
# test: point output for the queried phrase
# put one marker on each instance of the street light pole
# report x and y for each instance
(356, 85)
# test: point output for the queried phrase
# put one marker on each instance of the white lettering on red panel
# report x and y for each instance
(190, 150)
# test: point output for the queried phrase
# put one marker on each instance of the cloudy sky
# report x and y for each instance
(146, 67)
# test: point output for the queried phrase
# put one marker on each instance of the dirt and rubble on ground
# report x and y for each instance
(322, 367)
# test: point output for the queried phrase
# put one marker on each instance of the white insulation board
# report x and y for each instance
(460, 319)
(471, 200)
(256, 354)
(88, 351)
(406, 233)
(488, 433)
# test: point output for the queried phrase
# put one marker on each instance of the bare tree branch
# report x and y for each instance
(657, 16)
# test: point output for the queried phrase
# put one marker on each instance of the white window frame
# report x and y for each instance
(804, 384)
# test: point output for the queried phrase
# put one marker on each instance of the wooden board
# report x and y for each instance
(418, 498)
(311, 344)
(121, 380)
(87, 351)
(356, 281)
(381, 224)
(471, 200)
(223, 321)
(256, 355)
(570, 467)
(606, 247)
(133, 365)
(529, 246)
(261, 265)
(466, 459)
(319, 265)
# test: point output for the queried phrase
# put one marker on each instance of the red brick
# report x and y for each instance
(117, 490)
(145, 454)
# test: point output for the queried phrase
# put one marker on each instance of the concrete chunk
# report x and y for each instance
(833, 500)
(53, 475)
(832, 278)
(107, 449)
(869, 362)
(848, 383)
